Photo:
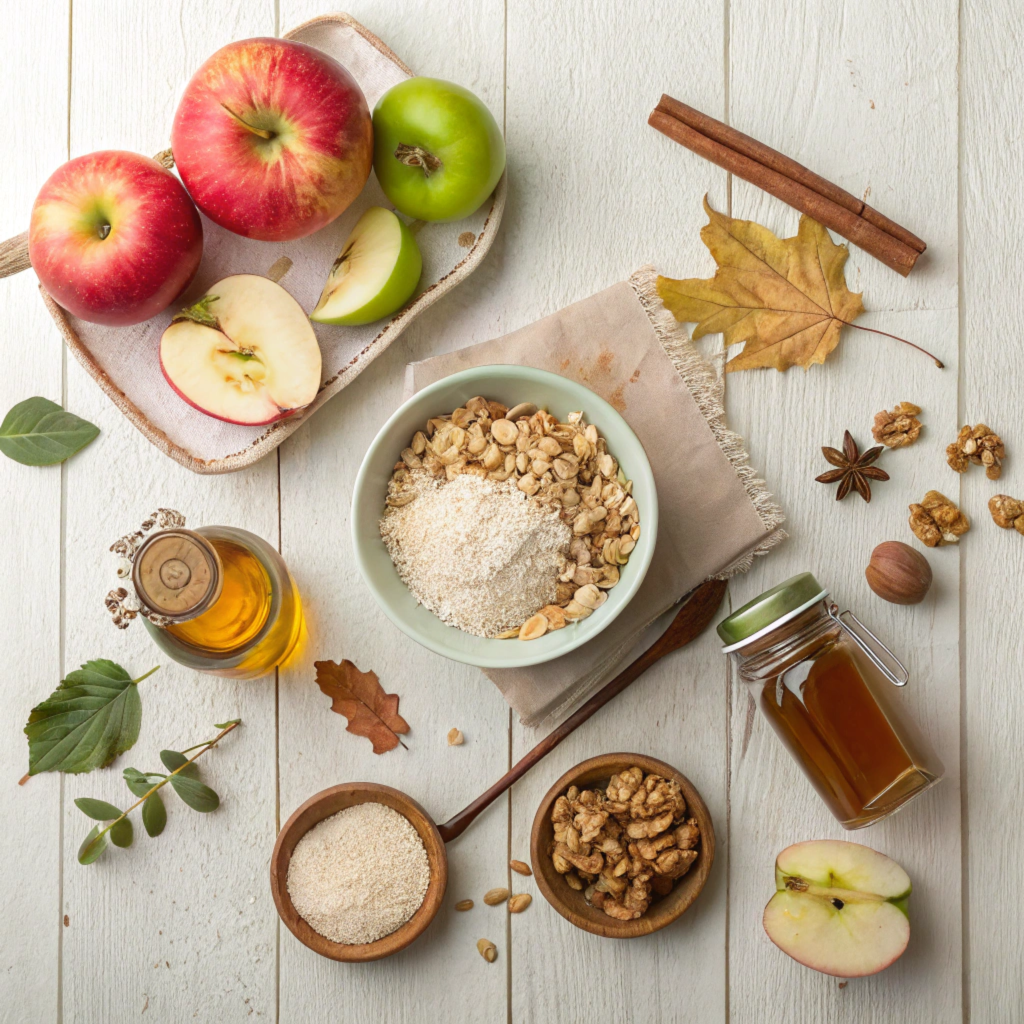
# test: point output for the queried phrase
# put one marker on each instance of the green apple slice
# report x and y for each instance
(376, 273)
(841, 908)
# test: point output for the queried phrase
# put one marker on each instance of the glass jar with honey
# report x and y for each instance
(218, 599)
(827, 685)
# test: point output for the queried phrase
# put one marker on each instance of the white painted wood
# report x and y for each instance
(442, 974)
(992, 197)
(599, 193)
(182, 927)
(866, 96)
(37, 112)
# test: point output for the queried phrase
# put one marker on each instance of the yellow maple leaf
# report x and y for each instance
(785, 297)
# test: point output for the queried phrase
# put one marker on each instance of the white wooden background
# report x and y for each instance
(915, 104)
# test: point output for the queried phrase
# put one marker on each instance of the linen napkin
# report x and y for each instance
(715, 515)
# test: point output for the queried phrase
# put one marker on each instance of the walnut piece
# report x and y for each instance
(980, 446)
(626, 844)
(936, 521)
(1007, 512)
(898, 428)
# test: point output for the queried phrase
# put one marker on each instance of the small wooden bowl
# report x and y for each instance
(323, 805)
(570, 903)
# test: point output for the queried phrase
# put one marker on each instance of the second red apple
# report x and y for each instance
(272, 138)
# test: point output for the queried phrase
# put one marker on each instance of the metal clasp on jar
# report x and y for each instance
(894, 671)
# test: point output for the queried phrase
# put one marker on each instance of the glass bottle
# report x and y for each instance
(232, 607)
(827, 685)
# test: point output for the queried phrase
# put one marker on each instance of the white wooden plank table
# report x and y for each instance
(915, 104)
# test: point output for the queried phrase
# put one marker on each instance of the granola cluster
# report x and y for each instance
(626, 844)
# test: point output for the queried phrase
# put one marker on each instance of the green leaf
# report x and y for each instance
(200, 313)
(38, 432)
(139, 782)
(99, 810)
(93, 716)
(92, 847)
(122, 833)
(154, 815)
(224, 725)
(173, 761)
(195, 794)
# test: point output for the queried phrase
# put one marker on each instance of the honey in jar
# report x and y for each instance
(225, 601)
(828, 687)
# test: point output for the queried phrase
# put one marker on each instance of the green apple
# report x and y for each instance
(841, 908)
(378, 269)
(437, 150)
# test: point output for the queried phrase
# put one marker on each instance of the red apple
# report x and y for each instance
(272, 138)
(114, 237)
(245, 353)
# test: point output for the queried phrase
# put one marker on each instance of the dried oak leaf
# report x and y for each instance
(785, 297)
(361, 699)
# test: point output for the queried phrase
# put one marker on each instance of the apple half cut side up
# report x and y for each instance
(840, 908)
(244, 353)
(375, 275)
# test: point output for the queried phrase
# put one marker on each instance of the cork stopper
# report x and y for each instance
(177, 574)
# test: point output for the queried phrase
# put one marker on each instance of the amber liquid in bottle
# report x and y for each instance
(837, 725)
(242, 609)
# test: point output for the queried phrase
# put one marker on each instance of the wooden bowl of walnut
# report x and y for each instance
(595, 774)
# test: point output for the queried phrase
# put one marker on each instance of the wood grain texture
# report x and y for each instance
(30, 552)
(182, 927)
(992, 148)
(442, 973)
(594, 194)
(855, 103)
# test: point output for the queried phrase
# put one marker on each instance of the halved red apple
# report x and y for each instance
(841, 908)
(245, 353)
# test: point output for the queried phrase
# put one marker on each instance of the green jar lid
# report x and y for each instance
(765, 610)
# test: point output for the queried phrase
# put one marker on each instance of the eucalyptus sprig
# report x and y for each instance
(183, 775)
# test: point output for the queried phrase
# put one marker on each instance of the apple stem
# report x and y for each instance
(414, 156)
(831, 893)
(263, 133)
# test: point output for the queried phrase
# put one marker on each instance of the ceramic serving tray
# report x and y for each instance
(124, 361)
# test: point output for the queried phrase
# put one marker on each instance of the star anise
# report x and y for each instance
(854, 470)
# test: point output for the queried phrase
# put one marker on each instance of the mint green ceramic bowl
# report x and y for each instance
(509, 385)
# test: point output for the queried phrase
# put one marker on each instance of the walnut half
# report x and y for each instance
(936, 521)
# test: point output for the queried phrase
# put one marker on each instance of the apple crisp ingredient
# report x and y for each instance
(626, 844)
(475, 552)
(360, 874)
(562, 467)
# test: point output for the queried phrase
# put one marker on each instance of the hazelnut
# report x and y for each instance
(899, 574)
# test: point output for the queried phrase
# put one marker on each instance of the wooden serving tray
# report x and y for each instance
(124, 361)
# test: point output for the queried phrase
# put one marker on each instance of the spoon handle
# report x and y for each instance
(690, 621)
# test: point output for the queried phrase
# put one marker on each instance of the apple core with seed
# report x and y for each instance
(376, 273)
(841, 908)
(244, 353)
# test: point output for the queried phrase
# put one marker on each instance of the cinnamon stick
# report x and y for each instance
(789, 181)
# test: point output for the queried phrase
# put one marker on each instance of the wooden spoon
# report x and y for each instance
(698, 609)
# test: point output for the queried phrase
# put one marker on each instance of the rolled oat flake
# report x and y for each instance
(360, 874)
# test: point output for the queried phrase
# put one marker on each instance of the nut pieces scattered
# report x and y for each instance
(455, 738)
(980, 446)
(936, 521)
(518, 903)
(626, 844)
(520, 867)
(563, 466)
(1007, 512)
(488, 950)
(495, 896)
(854, 470)
(898, 428)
